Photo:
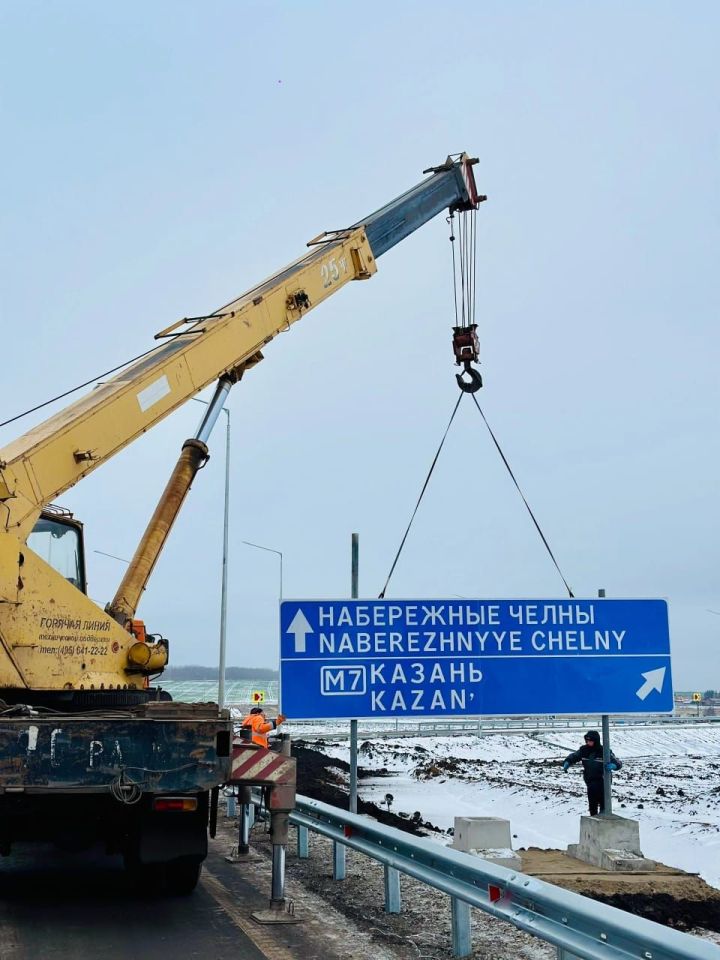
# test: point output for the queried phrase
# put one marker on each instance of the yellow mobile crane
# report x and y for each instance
(88, 749)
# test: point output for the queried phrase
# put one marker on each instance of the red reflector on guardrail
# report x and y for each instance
(494, 893)
(347, 831)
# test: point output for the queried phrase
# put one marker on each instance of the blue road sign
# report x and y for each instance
(438, 658)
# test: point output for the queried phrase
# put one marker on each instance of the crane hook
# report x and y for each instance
(467, 351)
(473, 384)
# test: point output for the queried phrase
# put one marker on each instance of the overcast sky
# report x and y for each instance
(161, 158)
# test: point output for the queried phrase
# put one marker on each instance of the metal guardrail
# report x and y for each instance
(577, 926)
(481, 726)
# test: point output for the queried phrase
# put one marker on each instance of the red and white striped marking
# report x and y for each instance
(261, 766)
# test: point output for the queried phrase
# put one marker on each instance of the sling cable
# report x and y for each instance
(466, 350)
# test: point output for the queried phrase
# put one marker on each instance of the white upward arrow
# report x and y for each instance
(300, 627)
(653, 681)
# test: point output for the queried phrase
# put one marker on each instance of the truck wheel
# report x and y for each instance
(182, 877)
(147, 877)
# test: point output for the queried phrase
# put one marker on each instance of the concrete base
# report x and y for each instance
(611, 842)
(503, 858)
(235, 857)
(274, 916)
(481, 833)
(624, 861)
(486, 837)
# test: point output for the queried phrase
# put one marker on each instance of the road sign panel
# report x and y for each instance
(344, 659)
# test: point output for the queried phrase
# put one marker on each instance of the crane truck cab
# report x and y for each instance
(57, 537)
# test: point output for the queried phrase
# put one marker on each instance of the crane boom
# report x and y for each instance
(39, 466)
(52, 636)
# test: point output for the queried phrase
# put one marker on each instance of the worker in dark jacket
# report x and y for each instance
(591, 755)
(261, 726)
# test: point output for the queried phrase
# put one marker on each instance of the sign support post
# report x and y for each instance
(607, 774)
(339, 848)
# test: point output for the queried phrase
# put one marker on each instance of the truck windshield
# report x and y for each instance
(59, 545)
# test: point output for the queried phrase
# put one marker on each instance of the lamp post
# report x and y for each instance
(270, 550)
(223, 589)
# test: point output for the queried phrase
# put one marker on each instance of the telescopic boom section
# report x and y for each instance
(193, 456)
(46, 461)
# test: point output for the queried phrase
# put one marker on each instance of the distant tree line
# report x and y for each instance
(196, 672)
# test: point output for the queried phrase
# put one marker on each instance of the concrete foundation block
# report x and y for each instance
(481, 833)
(611, 842)
(503, 858)
(624, 861)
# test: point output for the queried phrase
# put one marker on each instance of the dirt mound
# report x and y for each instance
(664, 894)
(683, 914)
(325, 779)
(448, 766)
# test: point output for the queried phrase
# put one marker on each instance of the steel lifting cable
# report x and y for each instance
(468, 247)
(454, 268)
(465, 270)
(527, 505)
(464, 317)
(381, 595)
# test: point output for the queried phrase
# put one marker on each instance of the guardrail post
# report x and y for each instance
(461, 940)
(338, 860)
(303, 843)
(393, 901)
(562, 954)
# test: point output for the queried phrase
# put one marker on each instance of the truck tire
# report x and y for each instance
(145, 877)
(182, 877)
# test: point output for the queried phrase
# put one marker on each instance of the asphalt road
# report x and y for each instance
(58, 906)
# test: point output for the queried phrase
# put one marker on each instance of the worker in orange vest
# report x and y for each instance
(261, 726)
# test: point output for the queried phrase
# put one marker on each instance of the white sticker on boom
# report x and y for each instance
(156, 391)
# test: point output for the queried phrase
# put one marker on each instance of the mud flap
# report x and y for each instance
(166, 837)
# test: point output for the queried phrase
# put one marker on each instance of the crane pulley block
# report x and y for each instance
(466, 348)
(466, 345)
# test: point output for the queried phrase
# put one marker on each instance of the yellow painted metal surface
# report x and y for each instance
(52, 636)
(55, 455)
(149, 656)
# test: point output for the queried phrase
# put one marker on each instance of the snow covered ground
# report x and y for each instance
(670, 782)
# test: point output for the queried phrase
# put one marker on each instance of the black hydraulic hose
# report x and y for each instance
(67, 393)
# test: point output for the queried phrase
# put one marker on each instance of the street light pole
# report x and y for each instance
(269, 550)
(224, 579)
(223, 589)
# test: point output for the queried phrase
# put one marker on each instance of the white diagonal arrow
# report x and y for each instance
(300, 627)
(653, 681)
